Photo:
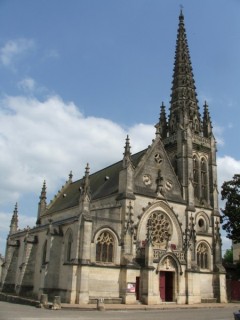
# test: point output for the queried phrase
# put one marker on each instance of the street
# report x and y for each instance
(21, 312)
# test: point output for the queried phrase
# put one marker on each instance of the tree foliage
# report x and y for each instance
(231, 212)
(228, 256)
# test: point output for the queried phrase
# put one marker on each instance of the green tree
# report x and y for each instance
(228, 256)
(231, 212)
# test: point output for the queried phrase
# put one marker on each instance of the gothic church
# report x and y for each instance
(145, 229)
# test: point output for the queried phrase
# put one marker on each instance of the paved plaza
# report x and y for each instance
(119, 312)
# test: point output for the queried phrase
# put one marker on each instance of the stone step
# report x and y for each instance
(209, 300)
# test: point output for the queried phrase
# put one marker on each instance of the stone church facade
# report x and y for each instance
(146, 228)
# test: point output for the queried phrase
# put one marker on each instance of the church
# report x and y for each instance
(143, 230)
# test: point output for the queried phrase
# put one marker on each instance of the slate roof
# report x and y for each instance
(102, 183)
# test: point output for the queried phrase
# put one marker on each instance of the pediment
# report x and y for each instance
(154, 170)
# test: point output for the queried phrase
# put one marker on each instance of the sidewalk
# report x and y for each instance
(143, 307)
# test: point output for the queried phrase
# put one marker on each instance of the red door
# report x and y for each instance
(162, 285)
(166, 285)
(137, 287)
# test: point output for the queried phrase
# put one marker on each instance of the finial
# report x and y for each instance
(70, 176)
(43, 192)
(14, 220)
(16, 209)
(181, 12)
(87, 170)
(127, 146)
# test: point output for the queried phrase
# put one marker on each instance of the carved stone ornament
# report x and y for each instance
(168, 185)
(167, 264)
(147, 179)
(158, 158)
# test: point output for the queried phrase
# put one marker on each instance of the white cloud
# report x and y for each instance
(27, 84)
(46, 139)
(218, 133)
(227, 167)
(13, 49)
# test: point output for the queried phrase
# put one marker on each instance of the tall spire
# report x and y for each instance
(184, 108)
(14, 221)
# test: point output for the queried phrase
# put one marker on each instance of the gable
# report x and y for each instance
(155, 165)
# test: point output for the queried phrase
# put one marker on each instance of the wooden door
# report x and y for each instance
(162, 285)
(137, 288)
(166, 285)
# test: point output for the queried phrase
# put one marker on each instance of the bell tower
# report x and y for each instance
(188, 137)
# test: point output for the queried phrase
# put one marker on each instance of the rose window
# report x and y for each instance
(161, 228)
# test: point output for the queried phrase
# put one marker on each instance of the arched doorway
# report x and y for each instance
(166, 285)
(167, 279)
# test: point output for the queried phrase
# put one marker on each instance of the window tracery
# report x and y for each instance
(195, 177)
(104, 247)
(202, 256)
(161, 228)
(204, 178)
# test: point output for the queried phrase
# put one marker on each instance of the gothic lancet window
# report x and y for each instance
(195, 177)
(44, 253)
(104, 247)
(202, 256)
(69, 247)
(204, 179)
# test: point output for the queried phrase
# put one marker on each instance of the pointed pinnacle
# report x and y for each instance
(70, 176)
(15, 212)
(181, 16)
(127, 147)
(87, 170)
(43, 192)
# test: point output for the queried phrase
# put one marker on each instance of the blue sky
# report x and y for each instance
(78, 76)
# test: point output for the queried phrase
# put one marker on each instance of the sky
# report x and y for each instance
(77, 76)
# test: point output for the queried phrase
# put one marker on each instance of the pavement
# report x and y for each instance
(163, 306)
(107, 306)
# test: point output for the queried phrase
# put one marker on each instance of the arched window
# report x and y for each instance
(196, 125)
(160, 228)
(195, 177)
(69, 247)
(204, 178)
(104, 247)
(202, 256)
(44, 253)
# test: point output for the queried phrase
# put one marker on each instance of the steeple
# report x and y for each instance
(14, 221)
(42, 205)
(207, 124)
(184, 108)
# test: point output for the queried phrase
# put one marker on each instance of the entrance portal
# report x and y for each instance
(166, 285)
